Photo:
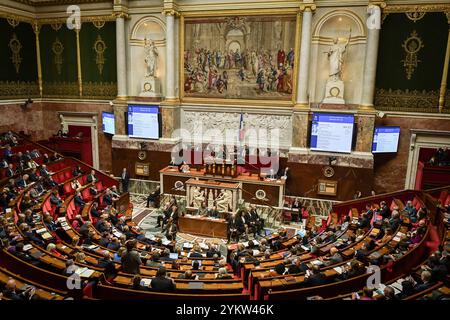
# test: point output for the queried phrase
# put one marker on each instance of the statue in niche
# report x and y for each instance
(151, 57)
(335, 57)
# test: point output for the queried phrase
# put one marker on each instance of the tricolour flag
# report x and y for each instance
(241, 128)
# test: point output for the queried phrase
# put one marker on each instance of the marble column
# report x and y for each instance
(365, 127)
(170, 54)
(300, 129)
(370, 62)
(305, 52)
(121, 56)
(119, 116)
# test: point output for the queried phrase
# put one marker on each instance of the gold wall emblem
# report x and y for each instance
(412, 45)
(57, 48)
(15, 46)
(99, 47)
(415, 15)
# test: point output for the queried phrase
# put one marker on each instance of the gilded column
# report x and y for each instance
(37, 30)
(80, 81)
(370, 62)
(305, 52)
(443, 88)
(170, 54)
(121, 55)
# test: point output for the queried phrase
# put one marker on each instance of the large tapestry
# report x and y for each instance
(411, 61)
(18, 76)
(243, 57)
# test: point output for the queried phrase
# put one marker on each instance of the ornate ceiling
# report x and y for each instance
(38, 3)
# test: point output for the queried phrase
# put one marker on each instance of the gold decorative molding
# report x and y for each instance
(15, 46)
(120, 14)
(56, 25)
(37, 30)
(61, 89)
(407, 100)
(18, 89)
(400, 8)
(380, 3)
(415, 15)
(13, 22)
(99, 24)
(99, 90)
(444, 84)
(80, 79)
(99, 48)
(171, 12)
(412, 45)
(295, 75)
(308, 7)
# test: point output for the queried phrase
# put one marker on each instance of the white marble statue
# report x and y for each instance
(335, 57)
(198, 197)
(224, 200)
(151, 57)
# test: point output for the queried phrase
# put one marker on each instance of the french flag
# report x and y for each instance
(241, 128)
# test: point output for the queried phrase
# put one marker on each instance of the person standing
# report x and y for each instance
(125, 180)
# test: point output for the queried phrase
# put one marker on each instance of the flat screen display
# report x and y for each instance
(385, 139)
(108, 123)
(143, 121)
(332, 132)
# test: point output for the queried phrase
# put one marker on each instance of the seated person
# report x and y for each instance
(161, 282)
(213, 212)
(185, 167)
(79, 201)
(75, 184)
(202, 210)
(92, 177)
(153, 198)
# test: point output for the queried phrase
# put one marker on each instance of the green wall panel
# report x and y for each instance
(432, 29)
(89, 34)
(26, 37)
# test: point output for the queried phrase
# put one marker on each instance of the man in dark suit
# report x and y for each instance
(107, 198)
(316, 277)
(154, 198)
(23, 181)
(94, 210)
(43, 171)
(255, 221)
(234, 228)
(425, 276)
(3, 164)
(161, 282)
(79, 202)
(92, 177)
(125, 180)
(9, 172)
(46, 158)
(385, 212)
(55, 200)
(172, 217)
(33, 177)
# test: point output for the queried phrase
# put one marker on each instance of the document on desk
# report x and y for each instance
(339, 270)
(166, 242)
(188, 245)
(87, 273)
(146, 282)
(27, 247)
